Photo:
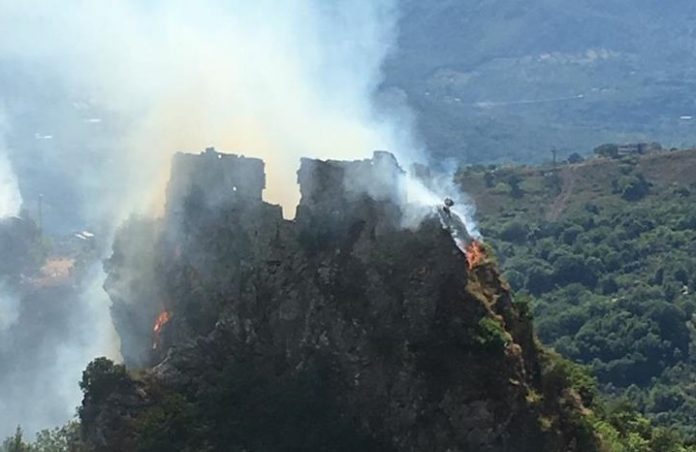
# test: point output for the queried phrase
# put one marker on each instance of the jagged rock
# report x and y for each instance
(384, 332)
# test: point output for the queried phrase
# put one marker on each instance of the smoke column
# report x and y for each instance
(121, 86)
(10, 198)
(277, 80)
(124, 85)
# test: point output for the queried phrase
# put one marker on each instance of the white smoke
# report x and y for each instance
(275, 80)
(9, 309)
(43, 362)
(426, 195)
(10, 198)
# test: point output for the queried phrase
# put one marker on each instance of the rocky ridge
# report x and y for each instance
(339, 330)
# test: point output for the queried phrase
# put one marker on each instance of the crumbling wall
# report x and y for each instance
(339, 196)
(326, 183)
(214, 178)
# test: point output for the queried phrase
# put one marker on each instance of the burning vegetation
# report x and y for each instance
(475, 253)
(160, 321)
(473, 249)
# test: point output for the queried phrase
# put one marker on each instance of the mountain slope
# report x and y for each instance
(509, 81)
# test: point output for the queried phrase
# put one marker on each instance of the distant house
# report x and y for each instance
(630, 149)
(638, 148)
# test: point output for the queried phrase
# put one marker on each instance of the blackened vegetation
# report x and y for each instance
(338, 331)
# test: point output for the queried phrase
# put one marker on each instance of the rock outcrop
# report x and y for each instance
(339, 330)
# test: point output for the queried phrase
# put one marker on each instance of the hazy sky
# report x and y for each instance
(278, 80)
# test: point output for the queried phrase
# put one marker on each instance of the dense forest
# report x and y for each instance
(605, 249)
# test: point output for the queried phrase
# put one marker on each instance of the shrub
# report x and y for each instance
(607, 150)
(515, 231)
(575, 158)
(491, 335)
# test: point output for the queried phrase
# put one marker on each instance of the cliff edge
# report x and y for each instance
(339, 330)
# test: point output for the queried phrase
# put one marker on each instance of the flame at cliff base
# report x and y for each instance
(160, 321)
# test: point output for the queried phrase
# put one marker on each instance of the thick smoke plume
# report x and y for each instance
(10, 198)
(42, 359)
(277, 80)
(132, 82)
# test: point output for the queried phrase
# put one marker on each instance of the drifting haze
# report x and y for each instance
(274, 80)
(42, 360)
(10, 198)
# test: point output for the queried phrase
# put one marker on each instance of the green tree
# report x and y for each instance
(575, 158)
(635, 188)
(16, 443)
(515, 190)
(515, 231)
(607, 150)
(101, 378)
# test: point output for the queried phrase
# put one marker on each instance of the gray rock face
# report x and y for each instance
(418, 352)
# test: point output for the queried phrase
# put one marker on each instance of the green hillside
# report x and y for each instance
(607, 249)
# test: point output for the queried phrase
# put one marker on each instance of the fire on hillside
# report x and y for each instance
(160, 321)
(472, 248)
(475, 253)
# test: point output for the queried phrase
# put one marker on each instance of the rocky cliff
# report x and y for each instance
(339, 330)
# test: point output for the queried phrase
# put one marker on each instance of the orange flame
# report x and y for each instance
(160, 321)
(475, 254)
(162, 318)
